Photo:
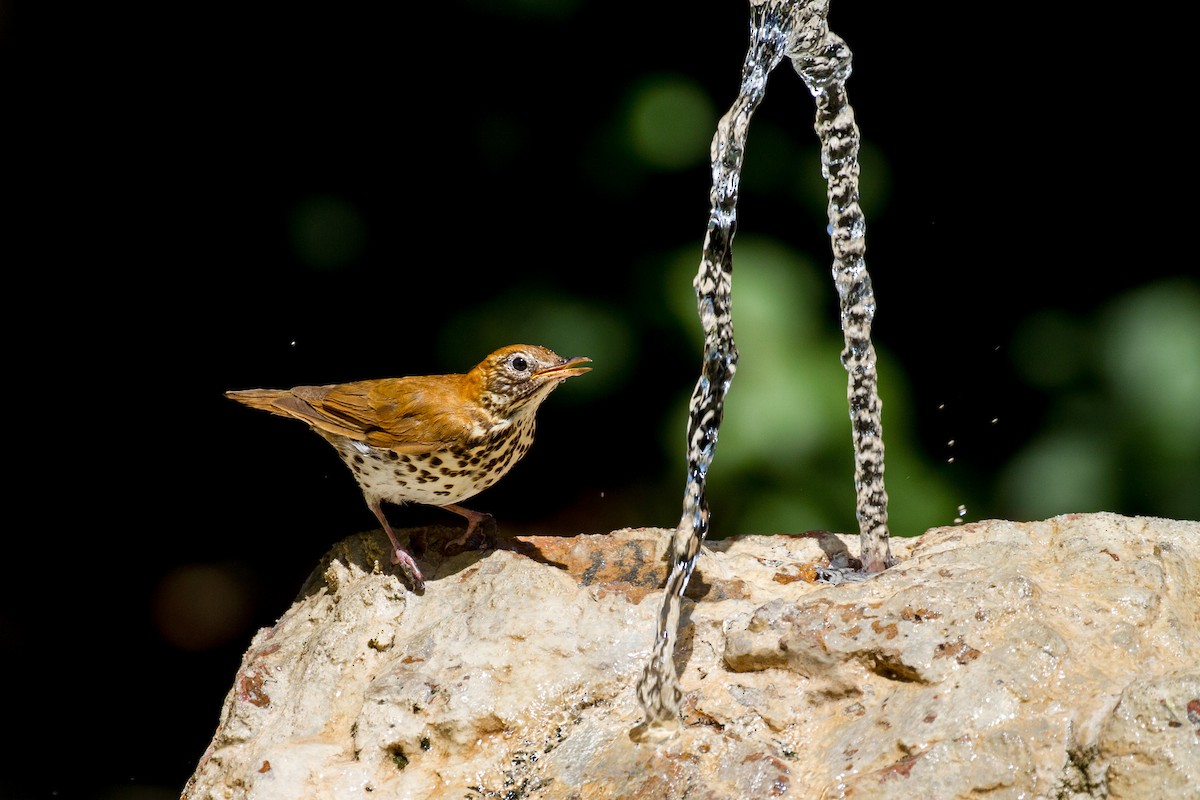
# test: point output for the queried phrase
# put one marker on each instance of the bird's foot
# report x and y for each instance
(409, 567)
(479, 535)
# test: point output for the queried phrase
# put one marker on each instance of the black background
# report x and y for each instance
(1037, 160)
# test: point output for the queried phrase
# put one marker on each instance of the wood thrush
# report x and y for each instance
(432, 439)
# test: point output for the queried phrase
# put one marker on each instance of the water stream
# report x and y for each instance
(799, 31)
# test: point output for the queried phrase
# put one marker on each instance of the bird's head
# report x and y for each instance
(519, 377)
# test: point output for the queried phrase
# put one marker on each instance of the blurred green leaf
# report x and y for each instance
(1151, 359)
(1063, 471)
(670, 122)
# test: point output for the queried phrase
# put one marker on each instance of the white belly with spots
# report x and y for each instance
(436, 479)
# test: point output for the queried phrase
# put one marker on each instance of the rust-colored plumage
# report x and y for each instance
(432, 439)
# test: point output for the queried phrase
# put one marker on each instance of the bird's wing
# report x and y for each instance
(409, 415)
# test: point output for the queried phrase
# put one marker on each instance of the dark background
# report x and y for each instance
(201, 198)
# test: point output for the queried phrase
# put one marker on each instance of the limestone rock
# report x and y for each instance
(1053, 659)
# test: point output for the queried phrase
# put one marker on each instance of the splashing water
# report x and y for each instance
(799, 31)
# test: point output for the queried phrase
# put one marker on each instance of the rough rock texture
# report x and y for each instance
(1055, 659)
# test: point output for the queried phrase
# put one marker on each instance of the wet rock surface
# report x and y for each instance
(1056, 659)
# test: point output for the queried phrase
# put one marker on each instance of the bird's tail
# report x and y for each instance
(264, 399)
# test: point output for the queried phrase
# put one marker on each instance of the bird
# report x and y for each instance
(429, 439)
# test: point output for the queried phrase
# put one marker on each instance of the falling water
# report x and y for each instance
(799, 31)
(825, 68)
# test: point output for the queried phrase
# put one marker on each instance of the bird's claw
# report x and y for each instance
(409, 568)
(479, 535)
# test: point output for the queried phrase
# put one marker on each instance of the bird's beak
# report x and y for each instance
(566, 369)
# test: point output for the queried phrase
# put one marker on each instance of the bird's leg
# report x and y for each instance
(400, 556)
(474, 520)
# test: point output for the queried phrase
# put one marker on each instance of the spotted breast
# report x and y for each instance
(440, 478)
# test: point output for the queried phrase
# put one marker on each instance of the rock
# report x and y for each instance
(1053, 659)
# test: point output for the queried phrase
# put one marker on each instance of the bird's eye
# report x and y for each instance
(519, 363)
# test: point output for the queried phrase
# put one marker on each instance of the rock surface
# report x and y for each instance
(1053, 659)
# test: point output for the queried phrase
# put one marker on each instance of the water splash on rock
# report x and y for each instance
(798, 31)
